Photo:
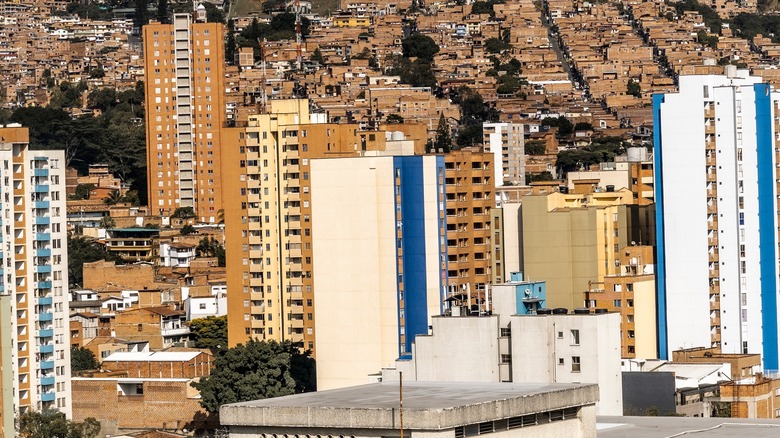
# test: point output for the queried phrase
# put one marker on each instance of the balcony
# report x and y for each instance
(42, 237)
(47, 381)
(44, 285)
(46, 316)
(46, 349)
(47, 365)
(43, 252)
(45, 333)
(41, 204)
(48, 396)
(175, 331)
(44, 301)
(42, 220)
(40, 172)
(41, 188)
(43, 269)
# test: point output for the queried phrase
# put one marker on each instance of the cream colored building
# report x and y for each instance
(379, 241)
(35, 346)
(572, 241)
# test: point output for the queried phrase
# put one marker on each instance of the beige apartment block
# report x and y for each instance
(573, 240)
(630, 292)
(185, 112)
(268, 213)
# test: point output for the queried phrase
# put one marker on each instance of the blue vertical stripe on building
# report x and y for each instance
(766, 224)
(660, 282)
(413, 259)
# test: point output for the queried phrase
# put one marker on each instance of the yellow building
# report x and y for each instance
(573, 240)
(631, 292)
(268, 214)
(348, 20)
(470, 198)
(185, 111)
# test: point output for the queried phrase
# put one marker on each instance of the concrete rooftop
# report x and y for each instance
(427, 405)
(663, 427)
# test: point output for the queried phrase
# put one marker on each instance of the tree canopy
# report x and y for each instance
(50, 423)
(600, 150)
(82, 359)
(419, 46)
(209, 332)
(116, 137)
(257, 370)
(84, 250)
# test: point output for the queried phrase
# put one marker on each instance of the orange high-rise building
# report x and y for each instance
(185, 112)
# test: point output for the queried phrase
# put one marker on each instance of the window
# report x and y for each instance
(506, 358)
(560, 361)
(202, 306)
(506, 332)
(575, 337)
(575, 364)
(560, 335)
(616, 303)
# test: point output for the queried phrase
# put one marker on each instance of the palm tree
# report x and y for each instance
(113, 198)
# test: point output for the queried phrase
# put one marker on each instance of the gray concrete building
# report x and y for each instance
(430, 410)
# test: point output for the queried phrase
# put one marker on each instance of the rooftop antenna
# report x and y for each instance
(298, 36)
(263, 96)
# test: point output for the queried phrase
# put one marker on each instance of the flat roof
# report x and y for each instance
(427, 405)
(662, 427)
(156, 356)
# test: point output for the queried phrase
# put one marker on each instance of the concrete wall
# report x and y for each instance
(354, 229)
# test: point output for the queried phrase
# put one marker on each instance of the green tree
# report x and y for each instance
(535, 147)
(97, 73)
(82, 359)
(187, 230)
(82, 192)
(633, 88)
(211, 248)
(162, 11)
(50, 423)
(209, 332)
(257, 370)
(113, 198)
(183, 213)
(394, 119)
(419, 46)
(83, 250)
(107, 222)
(564, 125)
(317, 56)
(213, 13)
(496, 45)
(443, 139)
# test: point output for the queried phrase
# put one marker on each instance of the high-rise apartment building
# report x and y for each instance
(470, 187)
(185, 111)
(268, 214)
(507, 143)
(35, 346)
(381, 260)
(716, 180)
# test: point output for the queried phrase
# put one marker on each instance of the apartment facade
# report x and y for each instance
(35, 348)
(185, 112)
(470, 187)
(716, 208)
(630, 292)
(572, 241)
(380, 245)
(507, 144)
(268, 214)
